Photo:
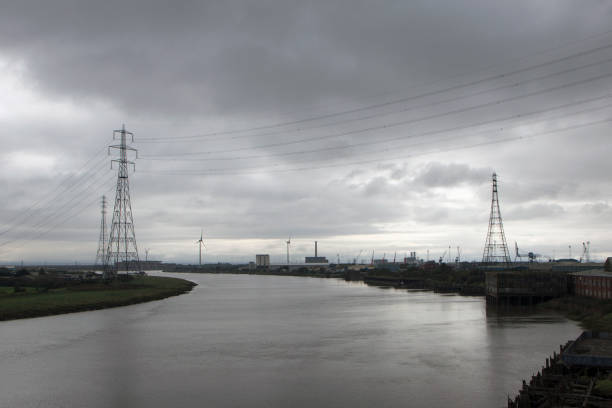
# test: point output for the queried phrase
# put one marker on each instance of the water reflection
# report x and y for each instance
(278, 341)
(519, 314)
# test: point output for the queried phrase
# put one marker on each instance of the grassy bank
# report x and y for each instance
(593, 314)
(28, 302)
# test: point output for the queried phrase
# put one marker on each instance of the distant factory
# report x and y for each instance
(412, 259)
(262, 260)
(316, 259)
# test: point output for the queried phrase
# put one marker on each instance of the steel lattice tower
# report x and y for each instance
(496, 249)
(101, 254)
(122, 251)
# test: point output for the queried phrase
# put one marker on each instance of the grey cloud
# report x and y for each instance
(190, 57)
(184, 68)
(529, 191)
(534, 211)
(452, 174)
(599, 208)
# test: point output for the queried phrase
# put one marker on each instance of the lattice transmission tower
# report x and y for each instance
(122, 251)
(101, 254)
(496, 249)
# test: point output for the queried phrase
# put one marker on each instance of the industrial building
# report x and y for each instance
(412, 259)
(316, 259)
(595, 283)
(524, 287)
(262, 260)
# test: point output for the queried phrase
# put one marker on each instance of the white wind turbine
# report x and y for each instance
(201, 243)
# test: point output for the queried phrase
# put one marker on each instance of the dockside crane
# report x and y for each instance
(531, 256)
(517, 254)
(443, 255)
(356, 259)
(586, 249)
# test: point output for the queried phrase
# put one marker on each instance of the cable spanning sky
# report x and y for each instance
(364, 127)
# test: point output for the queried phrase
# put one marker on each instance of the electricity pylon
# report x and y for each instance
(496, 249)
(122, 251)
(101, 254)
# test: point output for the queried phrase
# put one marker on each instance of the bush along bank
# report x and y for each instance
(464, 279)
(593, 314)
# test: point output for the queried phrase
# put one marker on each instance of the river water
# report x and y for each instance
(271, 341)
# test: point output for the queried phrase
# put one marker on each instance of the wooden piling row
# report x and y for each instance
(557, 385)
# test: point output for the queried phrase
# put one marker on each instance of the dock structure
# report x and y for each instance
(571, 378)
(595, 283)
(524, 287)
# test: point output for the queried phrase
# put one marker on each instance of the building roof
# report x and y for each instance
(593, 273)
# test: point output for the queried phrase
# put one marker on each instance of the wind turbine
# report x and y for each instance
(288, 243)
(201, 243)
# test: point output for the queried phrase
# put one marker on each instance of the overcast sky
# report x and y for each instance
(366, 126)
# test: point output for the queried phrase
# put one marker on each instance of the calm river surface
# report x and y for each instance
(267, 341)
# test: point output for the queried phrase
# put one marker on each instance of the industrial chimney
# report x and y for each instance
(316, 249)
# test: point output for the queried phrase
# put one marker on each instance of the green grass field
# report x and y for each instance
(89, 296)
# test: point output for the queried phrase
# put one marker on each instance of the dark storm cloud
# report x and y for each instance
(272, 57)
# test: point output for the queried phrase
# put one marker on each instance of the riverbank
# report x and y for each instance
(438, 278)
(467, 281)
(593, 314)
(31, 302)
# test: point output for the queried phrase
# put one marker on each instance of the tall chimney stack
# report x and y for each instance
(315, 248)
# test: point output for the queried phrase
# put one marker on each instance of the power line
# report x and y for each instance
(65, 208)
(61, 221)
(403, 137)
(406, 109)
(89, 184)
(397, 101)
(498, 64)
(395, 124)
(214, 172)
(54, 193)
